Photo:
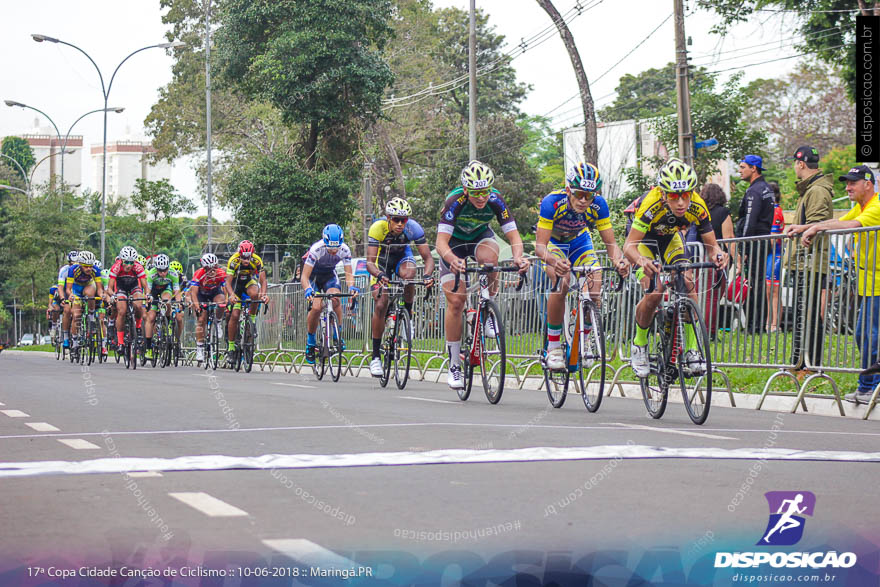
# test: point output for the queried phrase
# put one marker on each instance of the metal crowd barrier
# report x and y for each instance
(815, 295)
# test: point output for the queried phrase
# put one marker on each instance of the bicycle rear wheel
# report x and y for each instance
(591, 361)
(696, 383)
(655, 387)
(335, 350)
(56, 341)
(493, 354)
(555, 382)
(402, 348)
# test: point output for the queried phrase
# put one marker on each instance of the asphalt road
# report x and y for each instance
(426, 477)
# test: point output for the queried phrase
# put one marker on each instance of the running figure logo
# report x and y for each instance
(786, 524)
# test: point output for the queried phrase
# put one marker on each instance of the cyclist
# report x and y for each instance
(104, 277)
(670, 207)
(184, 290)
(464, 231)
(127, 278)
(82, 281)
(206, 286)
(319, 274)
(246, 269)
(162, 283)
(65, 308)
(388, 254)
(53, 310)
(563, 241)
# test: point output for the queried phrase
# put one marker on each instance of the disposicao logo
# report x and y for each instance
(786, 528)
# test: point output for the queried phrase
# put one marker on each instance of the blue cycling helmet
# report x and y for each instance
(585, 177)
(333, 236)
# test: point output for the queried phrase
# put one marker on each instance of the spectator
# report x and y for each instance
(814, 206)
(716, 202)
(774, 263)
(755, 219)
(866, 212)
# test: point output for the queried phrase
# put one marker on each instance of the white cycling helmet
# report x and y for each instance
(398, 207)
(71, 256)
(161, 262)
(209, 260)
(128, 254)
(86, 258)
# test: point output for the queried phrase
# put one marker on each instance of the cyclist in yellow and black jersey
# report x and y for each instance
(668, 209)
(245, 279)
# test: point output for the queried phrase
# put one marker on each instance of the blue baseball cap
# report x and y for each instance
(754, 161)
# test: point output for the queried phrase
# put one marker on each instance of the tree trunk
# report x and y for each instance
(591, 149)
(392, 154)
(312, 146)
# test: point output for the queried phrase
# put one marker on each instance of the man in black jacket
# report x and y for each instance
(755, 219)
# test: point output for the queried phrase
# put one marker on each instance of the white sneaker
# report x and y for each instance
(694, 363)
(556, 359)
(490, 331)
(455, 379)
(639, 361)
(200, 353)
(376, 367)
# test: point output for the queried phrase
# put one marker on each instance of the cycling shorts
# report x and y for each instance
(463, 250)
(668, 248)
(321, 282)
(579, 251)
(393, 262)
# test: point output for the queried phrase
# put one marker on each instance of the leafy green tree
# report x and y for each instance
(650, 93)
(156, 202)
(317, 61)
(827, 27)
(543, 149)
(283, 203)
(20, 150)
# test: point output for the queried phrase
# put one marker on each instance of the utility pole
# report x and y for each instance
(472, 88)
(208, 108)
(368, 201)
(682, 91)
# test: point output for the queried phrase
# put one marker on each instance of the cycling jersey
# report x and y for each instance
(394, 247)
(466, 222)
(557, 215)
(157, 284)
(62, 274)
(127, 276)
(243, 272)
(206, 283)
(78, 275)
(322, 261)
(655, 219)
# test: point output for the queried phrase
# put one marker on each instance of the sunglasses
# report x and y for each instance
(399, 219)
(479, 193)
(84, 266)
(677, 195)
(128, 262)
(246, 255)
(582, 195)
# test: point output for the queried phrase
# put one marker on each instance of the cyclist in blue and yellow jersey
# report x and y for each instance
(319, 274)
(65, 308)
(464, 232)
(563, 241)
(82, 281)
(667, 210)
(245, 278)
(389, 253)
(53, 310)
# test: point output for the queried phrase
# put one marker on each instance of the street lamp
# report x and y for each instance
(105, 92)
(13, 103)
(24, 175)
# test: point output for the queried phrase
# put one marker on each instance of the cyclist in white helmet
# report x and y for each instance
(207, 285)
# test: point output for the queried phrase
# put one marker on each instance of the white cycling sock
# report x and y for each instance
(454, 348)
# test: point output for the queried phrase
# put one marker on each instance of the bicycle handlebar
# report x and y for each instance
(584, 269)
(406, 282)
(487, 269)
(679, 268)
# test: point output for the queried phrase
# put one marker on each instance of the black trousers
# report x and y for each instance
(809, 328)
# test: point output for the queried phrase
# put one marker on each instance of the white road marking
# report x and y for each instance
(294, 385)
(433, 457)
(425, 399)
(145, 474)
(672, 431)
(78, 443)
(309, 553)
(208, 504)
(14, 413)
(42, 427)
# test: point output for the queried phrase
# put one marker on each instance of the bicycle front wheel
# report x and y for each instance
(320, 364)
(694, 361)
(402, 348)
(655, 387)
(493, 353)
(467, 369)
(591, 360)
(335, 349)
(555, 382)
(248, 346)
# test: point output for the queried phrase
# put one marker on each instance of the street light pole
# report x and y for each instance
(13, 103)
(208, 111)
(24, 175)
(105, 91)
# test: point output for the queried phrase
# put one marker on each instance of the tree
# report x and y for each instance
(827, 27)
(543, 149)
(650, 93)
(20, 150)
(806, 107)
(318, 62)
(156, 202)
(284, 203)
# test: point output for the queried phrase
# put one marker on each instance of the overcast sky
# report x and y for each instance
(62, 82)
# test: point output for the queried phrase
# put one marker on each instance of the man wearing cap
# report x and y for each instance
(866, 212)
(755, 219)
(814, 205)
